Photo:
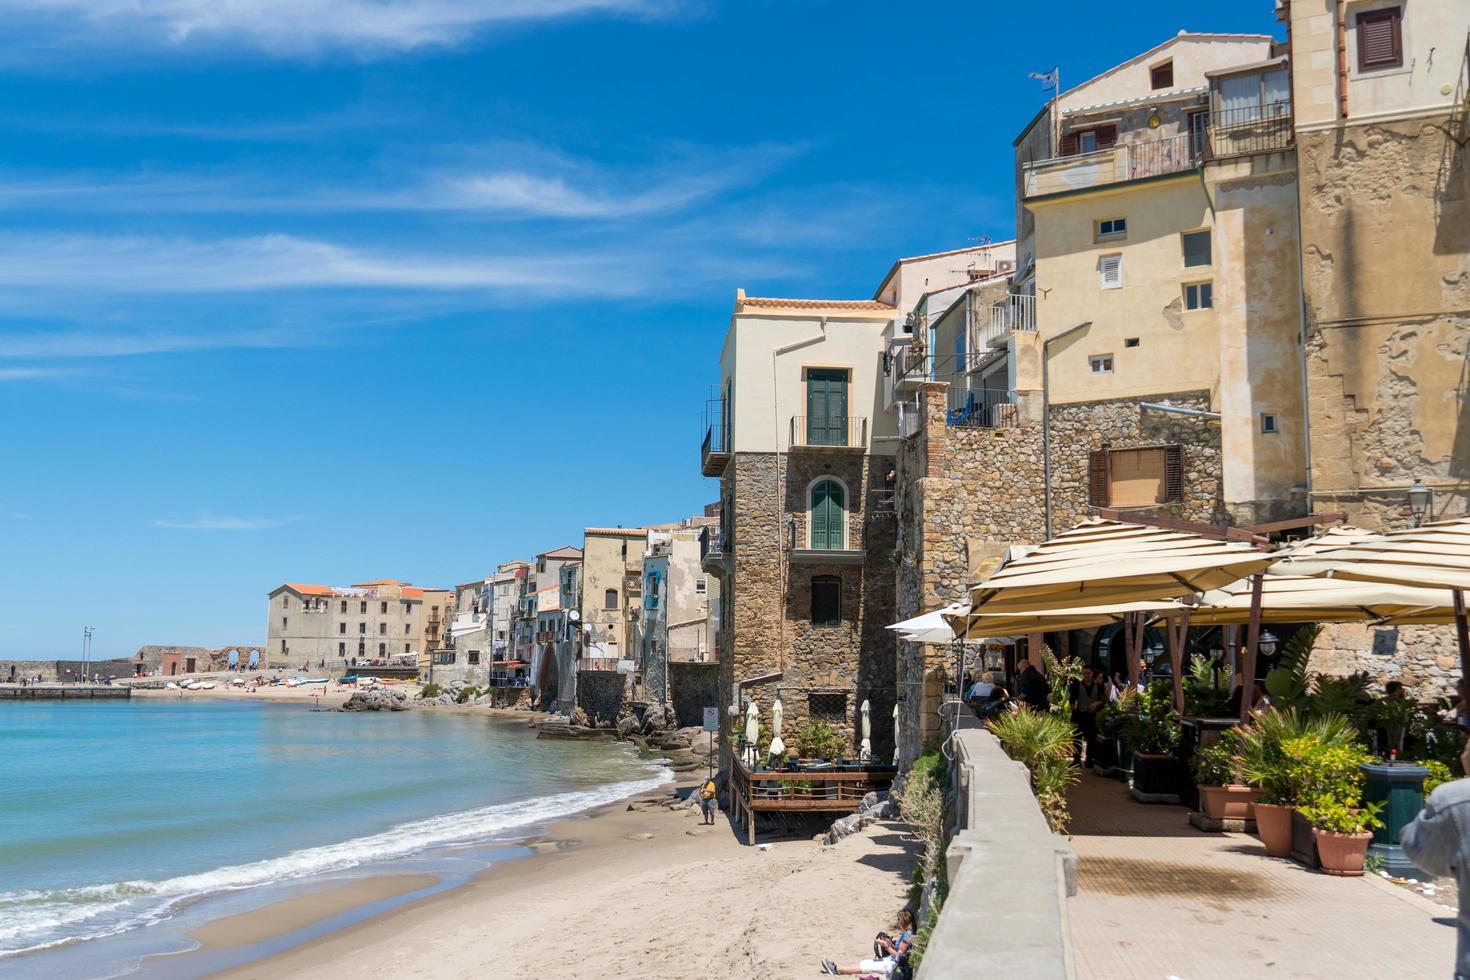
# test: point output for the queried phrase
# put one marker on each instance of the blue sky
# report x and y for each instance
(336, 290)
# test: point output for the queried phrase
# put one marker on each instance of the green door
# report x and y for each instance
(828, 516)
(826, 407)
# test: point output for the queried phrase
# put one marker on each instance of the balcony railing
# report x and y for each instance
(714, 454)
(1224, 134)
(829, 432)
(1014, 314)
(970, 403)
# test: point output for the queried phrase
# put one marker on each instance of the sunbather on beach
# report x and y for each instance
(887, 951)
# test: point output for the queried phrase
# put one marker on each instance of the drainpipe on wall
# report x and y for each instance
(1046, 416)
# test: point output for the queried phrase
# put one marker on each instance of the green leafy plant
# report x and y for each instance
(1113, 718)
(1394, 716)
(1043, 742)
(1328, 781)
(1288, 683)
(1206, 691)
(1263, 761)
(1439, 774)
(1217, 764)
(920, 799)
(1344, 696)
(818, 740)
(466, 694)
(430, 691)
(1154, 729)
(1061, 674)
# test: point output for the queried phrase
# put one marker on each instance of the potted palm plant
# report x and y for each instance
(1223, 794)
(1265, 764)
(1154, 734)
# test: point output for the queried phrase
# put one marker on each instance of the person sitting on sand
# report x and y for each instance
(887, 951)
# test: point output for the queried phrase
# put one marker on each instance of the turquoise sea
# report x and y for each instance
(121, 822)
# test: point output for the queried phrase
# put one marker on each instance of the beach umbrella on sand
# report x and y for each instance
(865, 751)
(895, 734)
(778, 747)
(752, 733)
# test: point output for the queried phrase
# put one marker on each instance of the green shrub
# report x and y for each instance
(1060, 674)
(1328, 780)
(1154, 729)
(1263, 761)
(466, 694)
(430, 691)
(1043, 743)
(818, 740)
(1217, 763)
(1439, 773)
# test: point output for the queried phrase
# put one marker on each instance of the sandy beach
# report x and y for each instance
(635, 889)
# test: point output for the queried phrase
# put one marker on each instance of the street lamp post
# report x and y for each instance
(1420, 498)
(87, 632)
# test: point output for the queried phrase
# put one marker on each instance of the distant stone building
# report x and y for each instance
(465, 653)
(678, 621)
(381, 620)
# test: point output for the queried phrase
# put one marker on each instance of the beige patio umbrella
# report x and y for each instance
(1304, 598)
(1435, 556)
(865, 750)
(778, 747)
(752, 733)
(1106, 562)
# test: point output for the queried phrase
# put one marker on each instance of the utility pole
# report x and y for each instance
(87, 632)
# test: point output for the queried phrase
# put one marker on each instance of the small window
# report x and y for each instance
(1130, 342)
(701, 586)
(1100, 363)
(407, 648)
(474, 656)
(363, 609)
(1161, 76)
(382, 649)
(283, 622)
(827, 706)
(1112, 228)
(826, 600)
(407, 629)
(1110, 271)
(344, 605)
(285, 602)
(382, 629)
(1196, 248)
(1135, 477)
(1268, 423)
(342, 628)
(610, 599)
(384, 610)
(1380, 39)
(361, 629)
(341, 649)
(1199, 296)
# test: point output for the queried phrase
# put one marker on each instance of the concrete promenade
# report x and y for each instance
(63, 692)
(1157, 898)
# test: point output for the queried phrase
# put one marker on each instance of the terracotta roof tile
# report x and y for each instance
(310, 589)
(772, 302)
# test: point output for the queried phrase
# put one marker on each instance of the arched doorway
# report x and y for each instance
(550, 683)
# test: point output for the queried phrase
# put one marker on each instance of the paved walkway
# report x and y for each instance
(1158, 899)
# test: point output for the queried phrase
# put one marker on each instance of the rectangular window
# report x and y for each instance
(1161, 76)
(1135, 477)
(1130, 342)
(342, 628)
(1089, 140)
(407, 648)
(384, 610)
(1196, 248)
(826, 600)
(285, 602)
(1110, 271)
(701, 586)
(382, 629)
(1100, 363)
(1380, 39)
(474, 656)
(1268, 423)
(341, 649)
(1112, 228)
(344, 605)
(363, 608)
(610, 599)
(283, 622)
(1199, 296)
(827, 706)
(382, 649)
(407, 629)
(361, 629)
(826, 406)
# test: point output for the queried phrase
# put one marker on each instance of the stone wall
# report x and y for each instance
(692, 688)
(60, 671)
(601, 694)
(1425, 658)
(1081, 427)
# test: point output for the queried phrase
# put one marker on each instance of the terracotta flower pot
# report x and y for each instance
(1341, 854)
(1273, 825)
(1228, 802)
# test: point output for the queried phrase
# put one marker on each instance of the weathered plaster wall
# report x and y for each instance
(1388, 316)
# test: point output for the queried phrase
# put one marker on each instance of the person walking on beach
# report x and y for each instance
(707, 801)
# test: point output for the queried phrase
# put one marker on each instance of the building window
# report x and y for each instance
(610, 599)
(1111, 228)
(826, 600)
(701, 586)
(1161, 76)
(1199, 296)
(474, 657)
(407, 648)
(361, 629)
(283, 622)
(1380, 39)
(382, 649)
(344, 606)
(828, 513)
(341, 649)
(285, 602)
(827, 706)
(1089, 140)
(1130, 342)
(1110, 271)
(384, 609)
(382, 629)
(1268, 423)
(826, 407)
(1100, 363)
(1135, 477)
(362, 610)
(407, 629)
(283, 649)
(342, 628)
(1196, 248)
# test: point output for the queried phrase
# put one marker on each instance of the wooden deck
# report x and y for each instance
(836, 790)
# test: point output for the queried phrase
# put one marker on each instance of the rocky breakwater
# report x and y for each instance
(377, 699)
(686, 749)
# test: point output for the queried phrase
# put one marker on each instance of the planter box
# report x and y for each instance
(1157, 775)
(1228, 802)
(1342, 854)
(1304, 841)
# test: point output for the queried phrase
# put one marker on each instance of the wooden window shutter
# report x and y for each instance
(1106, 136)
(1098, 489)
(1173, 474)
(1380, 39)
(1069, 145)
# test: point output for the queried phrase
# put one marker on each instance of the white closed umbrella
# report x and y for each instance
(752, 733)
(895, 734)
(865, 751)
(778, 747)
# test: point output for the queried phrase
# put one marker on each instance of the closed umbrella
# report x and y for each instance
(752, 733)
(865, 751)
(778, 747)
(895, 734)
(931, 627)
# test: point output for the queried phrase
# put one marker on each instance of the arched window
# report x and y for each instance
(828, 512)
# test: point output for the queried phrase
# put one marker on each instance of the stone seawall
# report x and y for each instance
(692, 688)
(63, 692)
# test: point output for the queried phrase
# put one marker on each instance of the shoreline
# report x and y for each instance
(655, 892)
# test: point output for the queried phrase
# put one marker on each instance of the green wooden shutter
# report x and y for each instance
(826, 407)
(828, 516)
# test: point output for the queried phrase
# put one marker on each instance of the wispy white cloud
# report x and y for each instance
(31, 373)
(290, 28)
(213, 523)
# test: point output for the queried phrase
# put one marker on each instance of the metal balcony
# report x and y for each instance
(714, 454)
(830, 432)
